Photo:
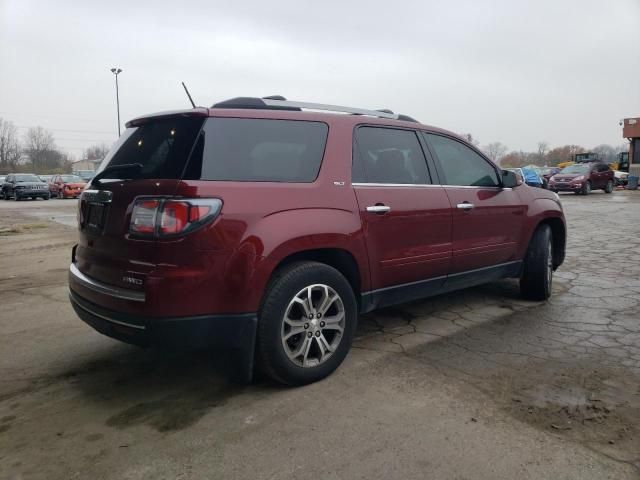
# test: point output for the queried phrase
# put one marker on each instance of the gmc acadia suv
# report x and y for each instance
(265, 227)
(582, 178)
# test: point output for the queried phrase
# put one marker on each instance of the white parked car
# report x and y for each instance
(621, 178)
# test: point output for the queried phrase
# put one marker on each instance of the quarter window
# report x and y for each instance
(461, 165)
(386, 155)
(258, 150)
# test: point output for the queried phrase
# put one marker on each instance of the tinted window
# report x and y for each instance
(461, 165)
(386, 155)
(603, 167)
(258, 150)
(161, 146)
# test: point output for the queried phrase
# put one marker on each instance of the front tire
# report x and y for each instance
(306, 323)
(586, 188)
(537, 272)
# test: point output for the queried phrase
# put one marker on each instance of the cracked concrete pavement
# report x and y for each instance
(474, 384)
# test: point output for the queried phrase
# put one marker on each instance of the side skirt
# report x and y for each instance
(385, 297)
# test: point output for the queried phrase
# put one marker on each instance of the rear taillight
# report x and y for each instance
(160, 217)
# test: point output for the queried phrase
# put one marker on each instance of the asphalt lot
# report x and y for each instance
(472, 385)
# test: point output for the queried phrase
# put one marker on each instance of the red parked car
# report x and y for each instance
(67, 186)
(259, 226)
(582, 178)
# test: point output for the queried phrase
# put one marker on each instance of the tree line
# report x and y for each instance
(546, 156)
(36, 151)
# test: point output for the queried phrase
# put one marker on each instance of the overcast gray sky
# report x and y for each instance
(564, 71)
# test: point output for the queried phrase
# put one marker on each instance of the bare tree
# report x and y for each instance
(40, 147)
(607, 152)
(9, 146)
(543, 149)
(469, 138)
(96, 152)
(495, 151)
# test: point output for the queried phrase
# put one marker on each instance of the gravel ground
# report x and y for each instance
(474, 384)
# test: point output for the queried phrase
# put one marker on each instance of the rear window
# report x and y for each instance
(161, 146)
(258, 150)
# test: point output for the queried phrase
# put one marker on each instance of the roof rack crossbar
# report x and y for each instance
(329, 108)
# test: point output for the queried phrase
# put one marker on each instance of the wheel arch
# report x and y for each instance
(558, 238)
(339, 258)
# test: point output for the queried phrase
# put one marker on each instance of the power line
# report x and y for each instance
(101, 132)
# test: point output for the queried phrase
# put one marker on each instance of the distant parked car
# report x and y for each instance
(67, 186)
(85, 175)
(24, 185)
(545, 173)
(548, 172)
(532, 178)
(582, 178)
(528, 176)
(620, 178)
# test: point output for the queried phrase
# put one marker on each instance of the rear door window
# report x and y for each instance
(258, 150)
(388, 155)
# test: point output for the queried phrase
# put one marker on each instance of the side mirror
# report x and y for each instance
(509, 179)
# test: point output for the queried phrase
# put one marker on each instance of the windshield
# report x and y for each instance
(575, 169)
(71, 179)
(86, 174)
(27, 178)
(161, 146)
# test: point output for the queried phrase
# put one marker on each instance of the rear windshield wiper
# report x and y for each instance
(111, 168)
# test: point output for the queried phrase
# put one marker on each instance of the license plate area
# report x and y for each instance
(96, 213)
(94, 206)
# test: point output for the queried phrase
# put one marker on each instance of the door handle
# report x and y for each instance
(466, 206)
(378, 209)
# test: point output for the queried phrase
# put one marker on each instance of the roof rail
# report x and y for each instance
(277, 102)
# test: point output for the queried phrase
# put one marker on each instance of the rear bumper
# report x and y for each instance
(234, 331)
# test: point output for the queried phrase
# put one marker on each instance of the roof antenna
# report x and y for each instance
(188, 95)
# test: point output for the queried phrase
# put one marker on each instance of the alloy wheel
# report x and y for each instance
(313, 325)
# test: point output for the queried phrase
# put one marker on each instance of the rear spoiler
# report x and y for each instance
(192, 112)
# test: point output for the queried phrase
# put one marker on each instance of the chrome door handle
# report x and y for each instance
(378, 209)
(466, 206)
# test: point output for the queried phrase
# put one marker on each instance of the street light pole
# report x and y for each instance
(116, 71)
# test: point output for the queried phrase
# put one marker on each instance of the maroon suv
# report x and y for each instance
(582, 178)
(263, 227)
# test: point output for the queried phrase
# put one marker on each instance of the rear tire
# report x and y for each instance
(609, 187)
(295, 345)
(537, 272)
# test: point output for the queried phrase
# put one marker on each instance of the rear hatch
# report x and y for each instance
(161, 145)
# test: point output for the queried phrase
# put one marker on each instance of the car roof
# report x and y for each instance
(275, 108)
